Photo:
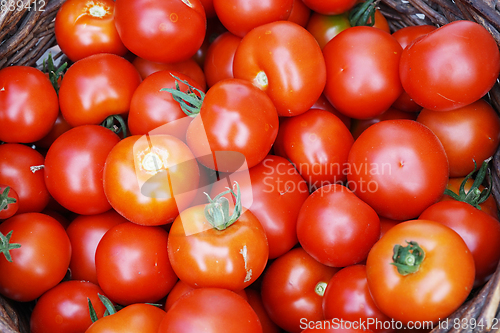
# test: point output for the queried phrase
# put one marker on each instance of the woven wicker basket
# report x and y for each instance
(27, 32)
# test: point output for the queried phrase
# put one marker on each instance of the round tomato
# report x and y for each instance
(86, 27)
(255, 300)
(359, 125)
(398, 167)
(330, 7)
(143, 181)
(9, 202)
(420, 270)
(132, 264)
(38, 262)
(284, 60)
(450, 67)
(336, 228)
(218, 63)
(179, 26)
(74, 167)
(60, 126)
(325, 27)
(300, 13)
(96, 87)
(362, 65)
(28, 104)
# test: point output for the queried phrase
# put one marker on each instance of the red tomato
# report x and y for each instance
(359, 125)
(386, 224)
(323, 104)
(218, 63)
(380, 22)
(21, 168)
(143, 182)
(398, 167)
(347, 297)
(210, 250)
(74, 168)
(179, 26)
(211, 310)
(362, 65)
(28, 104)
(132, 264)
(292, 289)
(241, 16)
(84, 233)
(179, 290)
(469, 133)
(325, 27)
(336, 228)
(40, 262)
(9, 202)
(284, 60)
(60, 126)
(135, 318)
(96, 87)
(438, 279)
(208, 5)
(86, 27)
(300, 13)
(450, 67)
(64, 308)
(255, 301)
(330, 7)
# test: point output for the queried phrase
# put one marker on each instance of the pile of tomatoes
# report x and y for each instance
(235, 166)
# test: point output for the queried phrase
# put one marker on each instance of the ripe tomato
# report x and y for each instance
(359, 125)
(143, 181)
(241, 16)
(21, 169)
(9, 202)
(87, 27)
(211, 310)
(210, 248)
(96, 87)
(64, 308)
(28, 104)
(323, 104)
(300, 13)
(330, 7)
(440, 274)
(284, 60)
(179, 26)
(398, 167)
(132, 264)
(60, 126)
(255, 300)
(325, 27)
(469, 133)
(74, 168)
(40, 262)
(218, 63)
(84, 233)
(293, 287)
(362, 65)
(450, 67)
(335, 227)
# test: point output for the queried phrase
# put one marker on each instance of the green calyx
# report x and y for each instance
(217, 210)
(116, 124)
(407, 259)
(189, 101)
(363, 14)
(5, 200)
(110, 307)
(6, 245)
(474, 196)
(55, 73)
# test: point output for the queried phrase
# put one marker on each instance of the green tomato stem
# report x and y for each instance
(109, 123)
(363, 13)
(189, 101)
(6, 245)
(5, 200)
(408, 259)
(217, 210)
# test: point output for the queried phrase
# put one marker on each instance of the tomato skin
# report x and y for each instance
(176, 25)
(330, 7)
(261, 53)
(405, 36)
(140, 192)
(469, 133)
(327, 216)
(362, 66)
(203, 256)
(218, 63)
(421, 296)
(289, 287)
(60, 126)
(300, 13)
(74, 167)
(359, 125)
(96, 87)
(325, 27)
(255, 300)
(15, 162)
(81, 30)
(145, 276)
(64, 308)
(442, 80)
(42, 260)
(11, 208)
(28, 104)
(211, 310)
(135, 318)
(386, 156)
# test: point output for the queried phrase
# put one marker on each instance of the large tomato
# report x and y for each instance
(28, 104)
(9, 202)
(39, 263)
(450, 67)
(86, 27)
(398, 167)
(218, 63)
(149, 179)
(74, 167)
(96, 87)
(330, 7)
(161, 31)
(284, 60)
(420, 270)
(362, 65)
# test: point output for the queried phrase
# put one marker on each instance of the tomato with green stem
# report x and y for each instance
(9, 202)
